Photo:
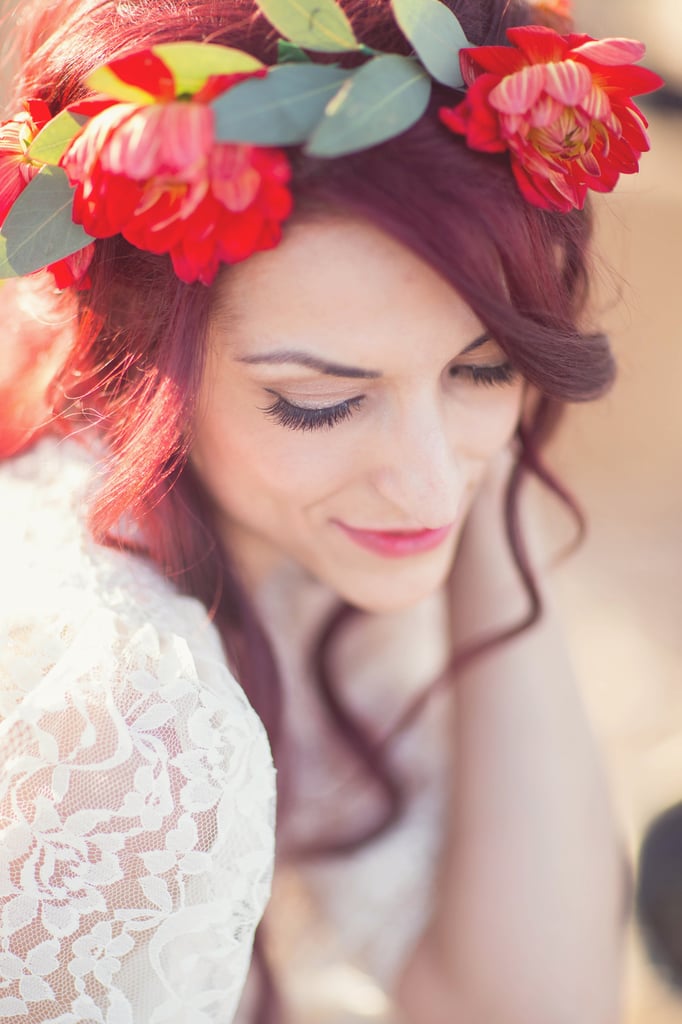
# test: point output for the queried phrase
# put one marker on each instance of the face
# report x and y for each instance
(351, 404)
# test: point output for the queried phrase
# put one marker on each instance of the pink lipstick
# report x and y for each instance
(397, 543)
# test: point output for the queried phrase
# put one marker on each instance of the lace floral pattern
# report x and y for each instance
(136, 783)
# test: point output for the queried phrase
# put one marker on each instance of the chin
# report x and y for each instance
(381, 594)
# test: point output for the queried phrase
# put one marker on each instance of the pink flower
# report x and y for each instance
(561, 106)
(154, 173)
(17, 170)
(16, 166)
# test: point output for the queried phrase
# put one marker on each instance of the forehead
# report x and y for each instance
(340, 282)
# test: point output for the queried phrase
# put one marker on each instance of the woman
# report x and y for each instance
(261, 496)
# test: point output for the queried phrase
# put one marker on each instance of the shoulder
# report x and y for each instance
(84, 626)
(69, 602)
(80, 622)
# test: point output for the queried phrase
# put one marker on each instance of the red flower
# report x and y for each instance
(153, 172)
(17, 170)
(562, 107)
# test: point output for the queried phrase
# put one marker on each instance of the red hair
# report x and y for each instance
(136, 357)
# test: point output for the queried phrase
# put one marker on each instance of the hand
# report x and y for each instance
(487, 592)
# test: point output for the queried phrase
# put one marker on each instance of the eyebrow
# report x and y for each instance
(312, 362)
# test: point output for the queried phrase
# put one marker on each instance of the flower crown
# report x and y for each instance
(181, 147)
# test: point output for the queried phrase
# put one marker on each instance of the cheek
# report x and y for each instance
(492, 423)
(249, 464)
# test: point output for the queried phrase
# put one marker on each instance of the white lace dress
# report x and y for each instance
(137, 790)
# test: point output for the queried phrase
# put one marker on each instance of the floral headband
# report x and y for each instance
(181, 147)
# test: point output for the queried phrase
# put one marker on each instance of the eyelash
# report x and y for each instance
(297, 417)
(488, 376)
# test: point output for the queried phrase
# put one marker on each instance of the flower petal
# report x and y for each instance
(545, 111)
(166, 139)
(612, 51)
(568, 82)
(84, 152)
(234, 180)
(538, 43)
(140, 77)
(39, 111)
(216, 85)
(12, 184)
(190, 270)
(240, 235)
(604, 181)
(132, 149)
(497, 60)
(513, 124)
(596, 104)
(475, 118)
(623, 157)
(590, 163)
(73, 270)
(187, 138)
(538, 192)
(277, 202)
(633, 128)
(91, 105)
(633, 80)
(517, 93)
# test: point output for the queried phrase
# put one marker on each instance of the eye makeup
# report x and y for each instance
(298, 417)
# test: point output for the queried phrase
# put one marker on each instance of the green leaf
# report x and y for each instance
(192, 64)
(287, 53)
(39, 230)
(384, 98)
(436, 35)
(279, 110)
(50, 144)
(311, 24)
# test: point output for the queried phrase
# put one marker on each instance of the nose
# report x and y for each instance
(417, 467)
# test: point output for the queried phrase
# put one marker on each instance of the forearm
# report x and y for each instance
(527, 922)
(526, 928)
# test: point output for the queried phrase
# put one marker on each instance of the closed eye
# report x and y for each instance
(501, 374)
(298, 417)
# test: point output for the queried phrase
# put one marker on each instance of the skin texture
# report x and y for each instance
(415, 440)
(531, 871)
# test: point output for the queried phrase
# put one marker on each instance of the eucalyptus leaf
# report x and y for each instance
(384, 98)
(319, 25)
(39, 229)
(50, 144)
(436, 35)
(279, 110)
(287, 53)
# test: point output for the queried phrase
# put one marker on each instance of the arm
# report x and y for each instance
(526, 928)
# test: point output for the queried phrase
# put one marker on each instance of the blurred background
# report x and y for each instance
(621, 594)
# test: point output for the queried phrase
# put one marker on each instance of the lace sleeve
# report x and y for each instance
(136, 825)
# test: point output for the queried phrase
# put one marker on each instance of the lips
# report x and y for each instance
(397, 543)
